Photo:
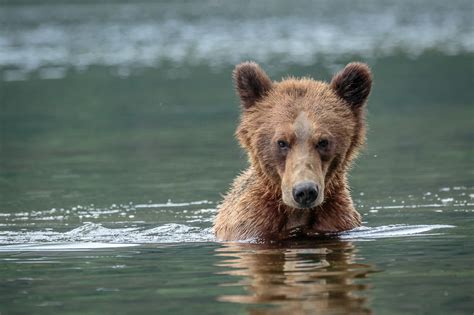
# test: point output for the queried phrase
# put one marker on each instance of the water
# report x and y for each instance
(116, 143)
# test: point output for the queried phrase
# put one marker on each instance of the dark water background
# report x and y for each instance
(116, 143)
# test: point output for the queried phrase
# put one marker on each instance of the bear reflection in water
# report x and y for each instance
(300, 278)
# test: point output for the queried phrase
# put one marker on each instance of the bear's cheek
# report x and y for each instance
(280, 162)
(265, 153)
(326, 159)
(334, 158)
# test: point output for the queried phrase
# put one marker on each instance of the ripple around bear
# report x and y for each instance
(301, 136)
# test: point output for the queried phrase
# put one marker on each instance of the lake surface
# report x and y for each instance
(116, 144)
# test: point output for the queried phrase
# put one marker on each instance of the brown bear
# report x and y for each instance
(301, 136)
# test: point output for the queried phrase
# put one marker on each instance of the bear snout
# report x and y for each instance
(305, 194)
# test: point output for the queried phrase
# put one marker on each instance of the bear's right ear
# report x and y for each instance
(251, 82)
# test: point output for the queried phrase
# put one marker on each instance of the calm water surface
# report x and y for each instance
(116, 143)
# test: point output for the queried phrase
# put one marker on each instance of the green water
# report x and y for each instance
(112, 163)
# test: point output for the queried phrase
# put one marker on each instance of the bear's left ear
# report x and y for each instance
(251, 82)
(353, 84)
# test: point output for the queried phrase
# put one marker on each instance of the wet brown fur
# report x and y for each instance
(254, 207)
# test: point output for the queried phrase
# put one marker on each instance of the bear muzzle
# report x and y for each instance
(305, 194)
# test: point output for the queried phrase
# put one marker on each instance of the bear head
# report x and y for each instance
(302, 134)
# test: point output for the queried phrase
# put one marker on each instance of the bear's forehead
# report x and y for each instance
(304, 87)
(304, 124)
(290, 98)
(305, 106)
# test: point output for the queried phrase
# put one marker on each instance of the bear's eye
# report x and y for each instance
(282, 144)
(323, 144)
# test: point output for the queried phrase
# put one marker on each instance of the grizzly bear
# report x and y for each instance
(301, 136)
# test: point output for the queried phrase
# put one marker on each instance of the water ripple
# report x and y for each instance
(96, 236)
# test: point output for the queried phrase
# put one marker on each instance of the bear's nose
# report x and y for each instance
(305, 193)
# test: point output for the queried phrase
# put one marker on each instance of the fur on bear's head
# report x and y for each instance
(302, 133)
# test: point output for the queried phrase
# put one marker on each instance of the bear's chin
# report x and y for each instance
(303, 208)
(289, 202)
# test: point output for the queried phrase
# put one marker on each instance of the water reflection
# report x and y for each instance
(320, 277)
